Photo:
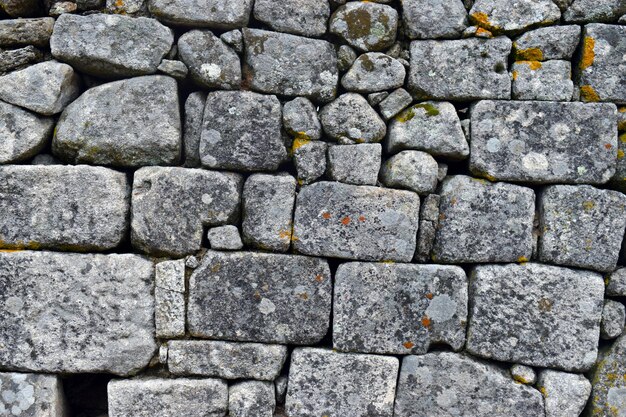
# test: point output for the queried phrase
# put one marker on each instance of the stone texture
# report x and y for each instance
(505, 146)
(323, 382)
(427, 19)
(23, 133)
(20, 8)
(22, 32)
(76, 208)
(290, 65)
(412, 170)
(168, 397)
(170, 207)
(300, 119)
(226, 360)
(225, 238)
(32, 395)
(310, 160)
(355, 164)
(594, 11)
(110, 46)
(565, 394)
(251, 399)
(543, 44)
(300, 17)
(613, 316)
(462, 70)
(47, 318)
(364, 25)
(14, 59)
(502, 16)
(245, 296)
(534, 314)
(351, 117)
(616, 286)
(345, 57)
(523, 374)
(394, 103)
(608, 395)
(449, 384)
(194, 110)
(429, 220)
(214, 14)
(356, 222)
(374, 71)
(546, 81)
(234, 39)
(123, 7)
(481, 221)
(127, 123)
(241, 131)
(169, 298)
(173, 68)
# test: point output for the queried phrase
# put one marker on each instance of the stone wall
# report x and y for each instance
(318, 208)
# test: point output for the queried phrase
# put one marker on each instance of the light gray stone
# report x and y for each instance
(22, 32)
(14, 59)
(502, 16)
(234, 39)
(32, 395)
(62, 7)
(300, 119)
(365, 25)
(127, 123)
(355, 164)
(300, 17)
(23, 133)
(170, 207)
(213, 14)
(582, 11)
(546, 81)
(543, 44)
(323, 382)
(523, 374)
(374, 71)
(412, 170)
(608, 395)
(429, 220)
(565, 394)
(613, 316)
(48, 322)
(345, 57)
(225, 238)
(350, 116)
(505, 146)
(169, 299)
(251, 399)
(534, 314)
(394, 103)
(173, 68)
(310, 160)
(194, 110)
(260, 297)
(110, 45)
(427, 19)
(356, 222)
(616, 286)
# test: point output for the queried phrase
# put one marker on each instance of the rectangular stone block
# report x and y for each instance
(356, 222)
(31, 395)
(76, 313)
(169, 298)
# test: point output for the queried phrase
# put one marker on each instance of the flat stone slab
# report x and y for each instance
(214, 14)
(77, 208)
(398, 308)
(300, 17)
(506, 146)
(260, 297)
(23, 133)
(228, 360)
(323, 382)
(427, 19)
(537, 315)
(450, 384)
(356, 222)
(608, 395)
(32, 395)
(48, 322)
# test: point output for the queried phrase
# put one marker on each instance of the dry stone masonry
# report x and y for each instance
(312, 208)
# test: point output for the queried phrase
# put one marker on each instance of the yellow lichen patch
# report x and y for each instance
(520, 379)
(299, 142)
(514, 75)
(543, 391)
(11, 250)
(587, 93)
(483, 33)
(387, 261)
(589, 205)
(284, 234)
(522, 259)
(622, 138)
(589, 54)
(533, 65)
(529, 54)
(482, 19)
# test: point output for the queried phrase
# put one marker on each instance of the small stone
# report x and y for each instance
(481, 222)
(448, 384)
(280, 385)
(618, 181)
(356, 222)
(412, 170)
(394, 103)
(613, 316)
(609, 388)
(32, 395)
(522, 302)
(427, 19)
(300, 17)
(462, 70)
(97, 44)
(345, 57)
(169, 295)
(260, 297)
(350, 116)
(279, 63)
(125, 7)
(565, 394)
(364, 25)
(323, 382)
(192, 262)
(168, 397)
(523, 374)
(374, 99)
(45, 159)
(225, 238)
(15, 59)
(226, 360)
(22, 32)
(213, 14)
(506, 147)
(21, 8)
(355, 164)
(543, 44)
(429, 219)
(300, 119)
(563, 4)
(127, 123)
(547, 81)
(234, 39)
(616, 286)
(194, 110)
(374, 71)
(251, 399)
(175, 69)
(502, 16)
(62, 7)
(212, 63)
(23, 133)
(442, 171)
(432, 127)
(310, 160)
(582, 11)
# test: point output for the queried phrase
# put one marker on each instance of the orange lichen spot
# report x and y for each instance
(620, 154)
(589, 205)
(589, 54)
(514, 75)
(529, 54)
(442, 216)
(119, 3)
(319, 278)
(483, 33)
(345, 221)
(284, 234)
(304, 296)
(429, 295)
(426, 321)
(408, 345)
(257, 295)
(587, 93)
(522, 259)
(299, 142)
(326, 215)
(533, 65)
(608, 146)
(482, 19)
(361, 218)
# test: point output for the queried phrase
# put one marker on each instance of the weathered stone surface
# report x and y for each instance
(124, 7)
(502, 16)
(23, 133)
(613, 316)
(47, 318)
(110, 45)
(345, 57)
(251, 399)
(214, 14)
(618, 181)
(211, 62)
(427, 19)
(481, 221)
(505, 146)
(194, 110)
(412, 170)
(260, 297)
(394, 103)
(466, 69)
(300, 17)
(290, 65)
(543, 44)
(356, 222)
(616, 286)
(234, 39)
(565, 394)
(433, 127)
(450, 384)
(534, 314)
(429, 220)
(310, 160)
(267, 211)
(523, 374)
(398, 308)
(169, 296)
(355, 164)
(32, 395)
(225, 238)
(546, 81)
(20, 8)
(21, 32)
(128, 123)
(594, 11)
(170, 207)
(14, 59)
(608, 395)
(374, 71)
(173, 68)
(168, 397)
(364, 25)
(350, 116)
(323, 382)
(300, 119)
(241, 131)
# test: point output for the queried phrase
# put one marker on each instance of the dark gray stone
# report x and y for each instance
(545, 81)
(345, 57)
(394, 103)
(23, 133)
(565, 394)
(194, 111)
(355, 164)
(350, 116)
(412, 170)
(374, 71)
(20, 8)
(300, 119)
(173, 68)
(582, 11)
(251, 399)
(613, 316)
(502, 16)
(14, 59)
(22, 32)
(300, 17)
(427, 19)
(608, 395)
(365, 25)
(225, 238)
(543, 44)
(213, 14)
(32, 395)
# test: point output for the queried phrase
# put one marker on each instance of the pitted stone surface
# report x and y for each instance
(23, 133)
(365, 25)
(351, 117)
(251, 399)
(31, 395)
(214, 14)
(427, 19)
(616, 285)
(502, 16)
(613, 316)
(20, 32)
(374, 71)
(555, 42)
(355, 164)
(608, 395)
(546, 81)
(300, 17)
(565, 394)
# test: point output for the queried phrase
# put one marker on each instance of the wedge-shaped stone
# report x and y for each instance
(23, 133)
(534, 314)
(76, 208)
(450, 384)
(543, 142)
(608, 395)
(170, 207)
(215, 14)
(260, 297)
(32, 395)
(356, 222)
(502, 16)
(398, 308)
(76, 313)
